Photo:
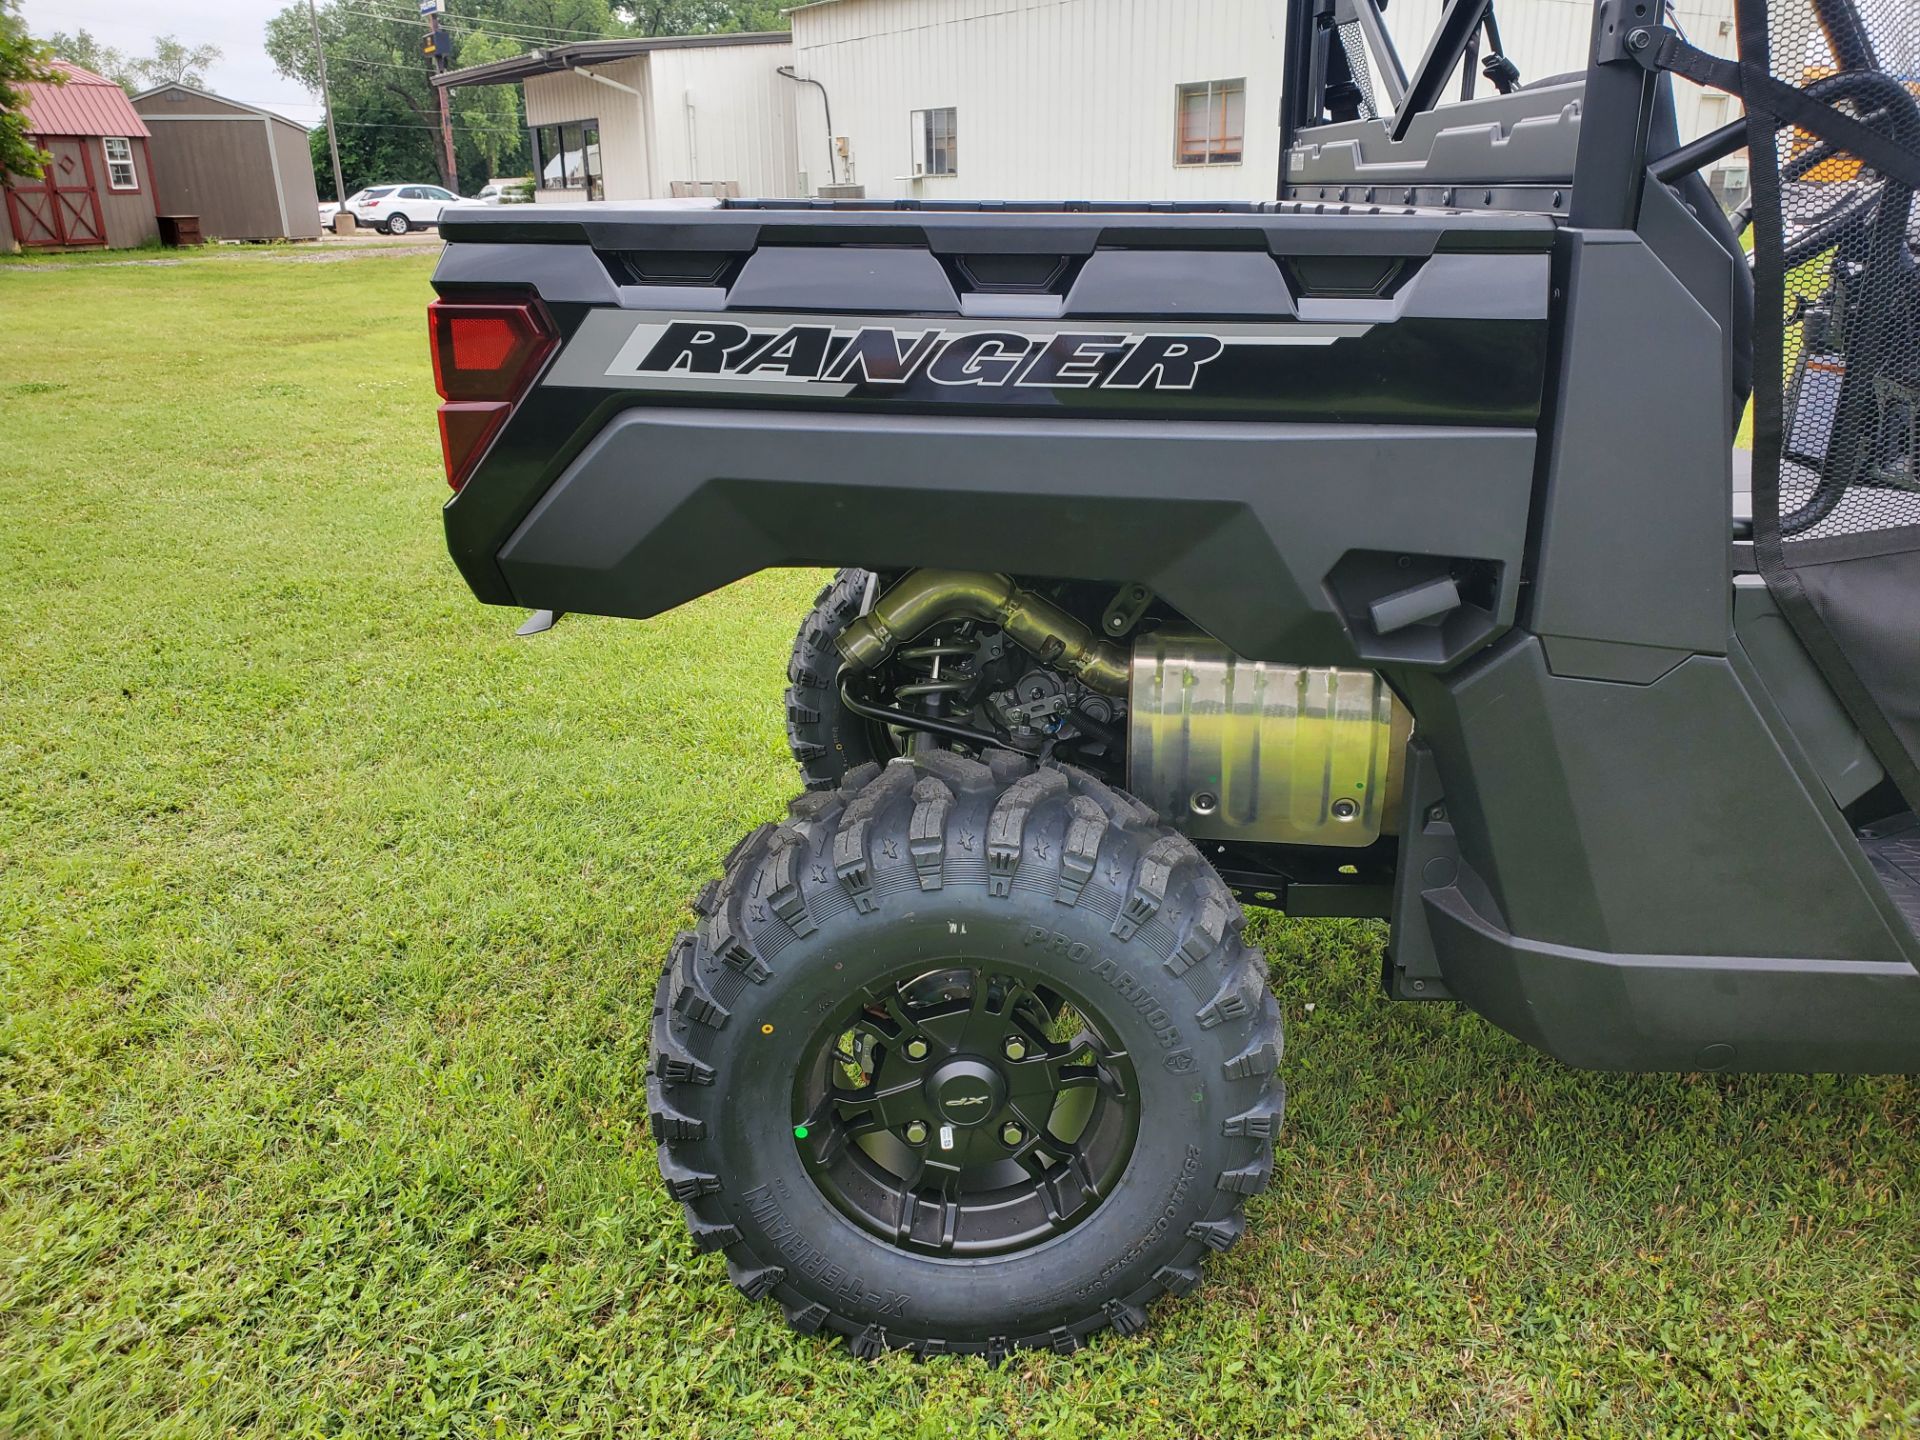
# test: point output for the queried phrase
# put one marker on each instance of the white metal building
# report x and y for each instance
(1106, 99)
(652, 118)
(975, 99)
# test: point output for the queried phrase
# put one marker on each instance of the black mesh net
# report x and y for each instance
(1355, 45)
(1836, 480)
(1845, 238)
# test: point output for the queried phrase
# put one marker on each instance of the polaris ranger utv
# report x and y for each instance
(1378, 549)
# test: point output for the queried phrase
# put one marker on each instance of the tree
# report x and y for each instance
(89, 54)
(22, 60)
(173, 63)
(385, 108)
(706, 17)
(492, 129)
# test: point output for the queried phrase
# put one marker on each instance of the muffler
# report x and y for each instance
(1227, 748)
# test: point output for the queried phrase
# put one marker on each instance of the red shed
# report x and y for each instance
(98, 188)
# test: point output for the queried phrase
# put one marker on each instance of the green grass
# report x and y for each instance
(329, 916)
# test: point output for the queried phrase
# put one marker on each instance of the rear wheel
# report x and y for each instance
(827, 739)
(396, 224)
(965, 1056)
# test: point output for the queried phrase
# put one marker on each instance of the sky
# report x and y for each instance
(238, 27)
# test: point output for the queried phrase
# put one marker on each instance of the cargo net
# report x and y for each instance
(1841, 458)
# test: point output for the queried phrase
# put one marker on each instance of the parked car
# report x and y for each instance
(397, 209)
(506, 192)
(330, 210)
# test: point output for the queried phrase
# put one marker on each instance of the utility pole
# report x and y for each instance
(437, 47)
(326, 98)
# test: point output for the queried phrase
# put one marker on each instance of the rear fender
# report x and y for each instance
(1239, 526)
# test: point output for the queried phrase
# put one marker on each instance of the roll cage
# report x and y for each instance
(1337, 51)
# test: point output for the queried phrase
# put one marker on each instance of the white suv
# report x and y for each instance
(397, 209)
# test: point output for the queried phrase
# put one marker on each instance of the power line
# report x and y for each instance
(464, 27)
(366, 124)
(420, 70)
(410, 125)
(530, 31)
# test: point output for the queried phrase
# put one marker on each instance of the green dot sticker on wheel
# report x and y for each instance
(799, 1132)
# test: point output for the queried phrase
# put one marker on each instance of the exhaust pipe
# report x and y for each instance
(924, 598)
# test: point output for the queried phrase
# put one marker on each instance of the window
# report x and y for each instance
(120, 172)
(1212, 119)
(434, 192)
(567, 157)
(936, 144)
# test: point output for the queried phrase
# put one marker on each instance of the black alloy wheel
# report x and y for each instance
(965, 1110)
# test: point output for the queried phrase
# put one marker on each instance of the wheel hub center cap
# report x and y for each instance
(967, 1092)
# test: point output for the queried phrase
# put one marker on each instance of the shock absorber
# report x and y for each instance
(948, 668)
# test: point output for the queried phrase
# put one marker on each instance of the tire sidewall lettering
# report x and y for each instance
(1177, 1056)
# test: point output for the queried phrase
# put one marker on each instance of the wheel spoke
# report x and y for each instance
(959, 1025)
(982, 1022)
(1062, 1067)
(881, 1107)
(1065, 1185)
(946, 1197)
(888, 1017)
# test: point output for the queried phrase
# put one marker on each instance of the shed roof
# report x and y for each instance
(88, 104)
(598, 52)
(164, 94)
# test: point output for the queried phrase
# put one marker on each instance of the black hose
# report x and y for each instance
(975, 738)
(833, 174)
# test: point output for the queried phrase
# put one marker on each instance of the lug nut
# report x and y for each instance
(916, 1049)
(1012, 1134)
(1015, 1048)
(916, 1132)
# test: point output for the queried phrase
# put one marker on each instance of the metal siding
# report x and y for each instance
(1053, 98)
(1075, 98)
(743, 118)
(295, 157)
(221, 171)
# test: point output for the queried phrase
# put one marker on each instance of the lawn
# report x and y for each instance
(329, 917)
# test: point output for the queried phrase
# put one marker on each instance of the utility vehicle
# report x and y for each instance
(1377, 549)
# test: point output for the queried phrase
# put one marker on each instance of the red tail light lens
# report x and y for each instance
(486, 355)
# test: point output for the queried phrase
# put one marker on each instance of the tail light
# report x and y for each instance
(486, 355)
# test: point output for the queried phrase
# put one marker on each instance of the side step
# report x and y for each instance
(1893, 849)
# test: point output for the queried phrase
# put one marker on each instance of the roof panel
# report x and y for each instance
(87, 104)
(556, 58)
